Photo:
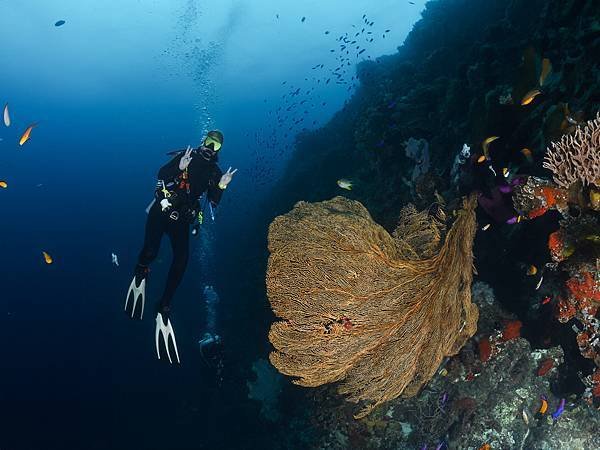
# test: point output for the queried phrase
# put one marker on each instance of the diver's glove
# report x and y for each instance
(186, 159)
(165, 204)
(164, 329)
(226, 178)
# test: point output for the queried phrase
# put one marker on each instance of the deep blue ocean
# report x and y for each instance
(112, 90)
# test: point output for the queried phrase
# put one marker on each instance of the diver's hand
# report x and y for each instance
(226, 178)
(186, 159)
(165, 204)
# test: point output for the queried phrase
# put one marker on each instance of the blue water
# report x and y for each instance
(112, 90)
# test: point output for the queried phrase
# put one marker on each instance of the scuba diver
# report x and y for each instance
(176, 207)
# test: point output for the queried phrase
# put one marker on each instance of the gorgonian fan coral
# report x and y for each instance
(375, 312)
(576, 157)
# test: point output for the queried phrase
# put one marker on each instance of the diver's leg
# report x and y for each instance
(178, 231)
(155, 227)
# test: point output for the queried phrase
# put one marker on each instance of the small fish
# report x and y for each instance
(486, 144)
(539, 283)
(505, 172)
(530, 96)
(443, 399)
(60, 23)
(444, 372)
(47, 258)
(3, 184)
(327, 32)
(492, 169)
(531, 270)
(485, 447)
(115, 259)
(6, 116)
(559, 410)
(481, 159)
(26, 135)
(525, 416)
(345, 184)
(546, 69)
(543, 406)
(546, 300)
(527, 154)
(486, 227)
(303, 19)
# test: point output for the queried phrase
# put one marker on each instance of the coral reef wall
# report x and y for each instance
(458, 78)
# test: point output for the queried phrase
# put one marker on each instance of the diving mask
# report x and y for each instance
(213, 143)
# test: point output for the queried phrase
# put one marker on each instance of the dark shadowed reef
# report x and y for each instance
(460, 77)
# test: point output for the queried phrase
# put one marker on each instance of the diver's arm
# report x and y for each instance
(170, 170)
(214, 192)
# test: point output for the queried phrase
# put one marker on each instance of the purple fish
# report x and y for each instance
(512, 220)
(443, 399)
(505, 188)
(561, 408)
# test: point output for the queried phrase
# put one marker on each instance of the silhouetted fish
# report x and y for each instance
(60, 23)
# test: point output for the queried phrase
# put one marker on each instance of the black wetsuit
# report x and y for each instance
(185, 189)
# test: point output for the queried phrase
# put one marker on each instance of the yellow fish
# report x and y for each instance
(531, 270)
(3, 184)
(6, 116)
(505, 172)
(527, 154)
(530, 96)
(47, 258)
(546, 69)
(27, 134)
(481, 159)
(486, 144)
(345, 184)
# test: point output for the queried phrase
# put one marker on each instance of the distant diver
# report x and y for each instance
(211, 344)
(175, 207)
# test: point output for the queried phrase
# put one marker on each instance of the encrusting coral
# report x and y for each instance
(375, 312)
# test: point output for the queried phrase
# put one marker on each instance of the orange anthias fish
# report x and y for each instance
(47, 258)
(485, 447)
(27, 134)
(546, 69)
(486, 147)
(3, 184)
(530, 96)
(543, 406)
(527, 154)
(531, 270)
